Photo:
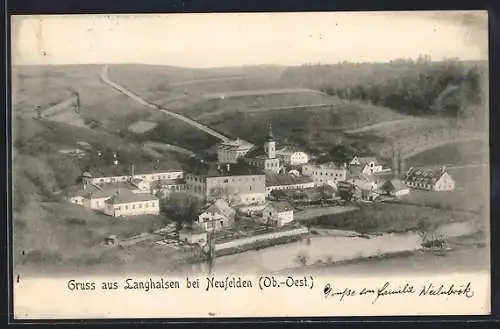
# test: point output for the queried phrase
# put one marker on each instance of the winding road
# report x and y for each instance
(137, 98)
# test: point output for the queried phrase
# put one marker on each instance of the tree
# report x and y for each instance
(227, 194)
(183, 208)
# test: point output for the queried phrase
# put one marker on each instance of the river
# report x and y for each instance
(318, 252)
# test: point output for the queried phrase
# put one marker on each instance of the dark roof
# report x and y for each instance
(256, 152)
(80, 190)
(393, 185)
(102, 169)
(213, 170)
(274, 179)
(220, 207)
(125, 196)
(419, 175)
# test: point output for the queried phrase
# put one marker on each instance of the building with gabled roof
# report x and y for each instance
(394, 187)
(365, 165)
(430, 180)
(217, 215)
(292, 156)
(278, 213)
(127, 203)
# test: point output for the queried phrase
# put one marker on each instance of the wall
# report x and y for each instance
(256, 238)
(137, 208)
(289, 187)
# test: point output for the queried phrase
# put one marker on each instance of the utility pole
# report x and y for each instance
(211, 249)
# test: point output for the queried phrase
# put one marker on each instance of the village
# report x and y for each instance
(251, 196)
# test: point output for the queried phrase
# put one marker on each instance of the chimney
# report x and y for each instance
(228, 167)
(443, 169)
(115, 160)
(132, 171)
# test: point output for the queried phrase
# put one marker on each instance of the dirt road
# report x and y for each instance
(137, 98)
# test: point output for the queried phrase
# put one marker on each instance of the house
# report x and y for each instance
(278, 214)
(275, 181)
(217, 215)
(127, 203)
(325, 174)
(292, 157)
(238, 183)
(194, 235)
(430, 180)
(232, 151)
(394, 187)
(365, 165)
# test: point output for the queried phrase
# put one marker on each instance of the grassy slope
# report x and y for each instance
(47, 85)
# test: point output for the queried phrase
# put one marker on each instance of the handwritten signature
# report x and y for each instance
(387, 289)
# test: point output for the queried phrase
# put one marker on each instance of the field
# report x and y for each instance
(46, 86)
(385, 217)
(72, 235)
(161, 83)
(456, 154)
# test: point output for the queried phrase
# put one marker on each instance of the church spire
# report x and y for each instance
(270, 135)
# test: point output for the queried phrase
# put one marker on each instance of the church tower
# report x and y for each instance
(270, 143)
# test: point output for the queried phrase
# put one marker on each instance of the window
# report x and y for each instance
(126, 207)
(133, 206)
(147, 205)
(140, 205)
(250, 187)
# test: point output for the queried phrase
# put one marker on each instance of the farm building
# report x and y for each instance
(217, 215)
(194, 235)
(126, 203)
(278, 214)
(430, 180)
(394, 187)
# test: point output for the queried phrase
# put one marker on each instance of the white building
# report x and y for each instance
(217, 215)
(292, 157)
(240, 183)
(325, 174)
(276, 181)
(194, 235)
(365, 165)
(232, 151)
(278, 213)
(126, 203)
(431, 180)
(123, 173)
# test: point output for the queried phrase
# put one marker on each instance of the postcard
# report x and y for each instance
(172, 166)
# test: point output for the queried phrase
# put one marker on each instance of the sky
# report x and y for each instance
(214, 40)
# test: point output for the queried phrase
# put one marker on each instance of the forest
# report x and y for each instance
(415, 87)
